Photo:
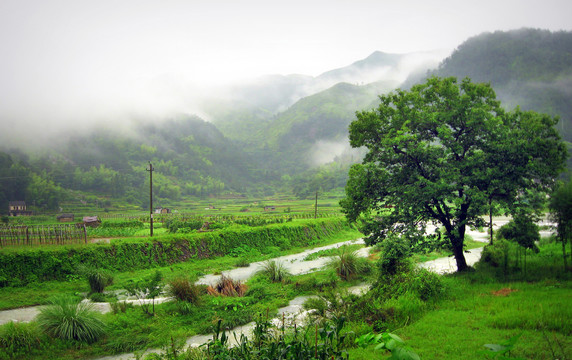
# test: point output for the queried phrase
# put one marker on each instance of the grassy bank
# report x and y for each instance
(37, 293)
(21, 266)
(487, 306)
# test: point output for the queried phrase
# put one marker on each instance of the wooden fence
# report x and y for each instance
(42, 235)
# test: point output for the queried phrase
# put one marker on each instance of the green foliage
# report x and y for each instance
(147, 288)
(326, 342)
(399, 298)
(522, 230)
(561, 212)
(442, 152)
(98, 279)
(17, 340)
(394, 253)
(183, 289)
(348, 264)
(119, 306)
(24, 265)
(390, 342)
(275, 271)
(499, 350)
(183, 226)
(67, 319)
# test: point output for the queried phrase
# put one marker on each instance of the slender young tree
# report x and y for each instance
(443, 152)
(561, 212)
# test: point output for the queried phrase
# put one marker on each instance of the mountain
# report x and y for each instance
(283, 132)
(261, 102)
(530, 68)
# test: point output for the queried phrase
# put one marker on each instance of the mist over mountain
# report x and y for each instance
(247, 106)
(283, 133)
(530, 68)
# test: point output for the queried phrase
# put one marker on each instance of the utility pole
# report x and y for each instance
(151, 196)
(316, 207)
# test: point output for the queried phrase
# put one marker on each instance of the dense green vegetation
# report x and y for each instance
(21, 266)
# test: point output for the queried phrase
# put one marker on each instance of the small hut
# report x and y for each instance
(91, 221)
(18, 208)
(65, 217)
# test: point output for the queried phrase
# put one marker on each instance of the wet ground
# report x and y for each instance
(295, 264)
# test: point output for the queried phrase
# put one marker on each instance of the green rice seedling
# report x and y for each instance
(69, 319)
(275, 271)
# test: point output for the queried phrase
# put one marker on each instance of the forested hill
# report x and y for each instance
(190, 157)
(275, 133)
(527, 67)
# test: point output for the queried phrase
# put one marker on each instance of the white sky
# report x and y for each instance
(63, 60)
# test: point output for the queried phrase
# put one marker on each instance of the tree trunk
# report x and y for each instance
(563, 241)
(570, 238)
(457, 241)
(459, 256)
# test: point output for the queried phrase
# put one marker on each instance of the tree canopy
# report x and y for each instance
(442, 152)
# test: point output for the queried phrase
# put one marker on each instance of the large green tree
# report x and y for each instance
(442, 152)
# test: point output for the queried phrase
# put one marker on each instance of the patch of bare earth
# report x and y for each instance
(503, 292)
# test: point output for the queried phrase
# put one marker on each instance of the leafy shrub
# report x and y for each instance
(66, 318)
(395, 251)
(329, 342)
(496, 255)
(427, 284)
(331, 305)
(242, 262)
(184, 290)
(147, 288)
(183, 226)
(275, 271)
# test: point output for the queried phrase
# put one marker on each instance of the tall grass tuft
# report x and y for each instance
(183, 289)
(98, 279)
(275, 271)
(66, 318)
(227, 287)
(348, 264)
